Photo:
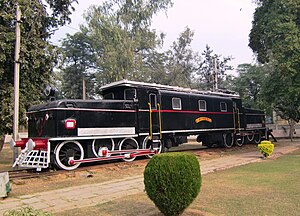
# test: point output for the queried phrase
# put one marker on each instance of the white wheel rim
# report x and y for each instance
(59, 163)
(225, 140)
(242, 140)
(94, 150)
(120, 148)
(252, 137)
(145, 147)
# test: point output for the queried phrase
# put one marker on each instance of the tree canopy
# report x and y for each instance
(37, 55)
(275, 38)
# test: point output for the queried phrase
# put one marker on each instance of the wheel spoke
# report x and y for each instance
(68, 149)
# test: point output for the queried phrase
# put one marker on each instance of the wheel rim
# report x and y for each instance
(240, 141)
(127, 144)
(68, 149)
(228, 140)
(97, 144)
(257, 138)
(250, 137)
(147, 145)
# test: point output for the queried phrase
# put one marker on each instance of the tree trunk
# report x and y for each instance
(1, 142)
(292, 124)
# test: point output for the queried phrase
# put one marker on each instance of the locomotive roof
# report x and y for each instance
(167, 87)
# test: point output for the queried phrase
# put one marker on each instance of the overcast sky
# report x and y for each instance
(222, 24)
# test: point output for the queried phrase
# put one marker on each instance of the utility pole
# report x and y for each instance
(16, 80)
(83, 88)
(215, 74)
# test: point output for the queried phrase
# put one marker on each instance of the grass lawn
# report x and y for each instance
(271, 187)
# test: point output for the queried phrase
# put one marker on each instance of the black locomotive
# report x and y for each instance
(134, 119)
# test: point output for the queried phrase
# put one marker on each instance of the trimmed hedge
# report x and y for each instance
(266, 148)
(172, 181)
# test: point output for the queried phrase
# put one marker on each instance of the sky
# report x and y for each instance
(224, 25)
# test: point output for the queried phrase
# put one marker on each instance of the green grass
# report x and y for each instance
(271, 187)
(268, 188)
(6, 158)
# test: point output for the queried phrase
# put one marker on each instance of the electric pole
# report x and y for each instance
(16, 80)
(83, 89)
(215, 74)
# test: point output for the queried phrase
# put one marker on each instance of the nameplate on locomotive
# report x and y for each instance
(200, 119)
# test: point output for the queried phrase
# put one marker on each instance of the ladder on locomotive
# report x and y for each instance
(155, 121)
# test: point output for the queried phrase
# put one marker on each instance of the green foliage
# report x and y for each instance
(172, 181)
(122, 38)
(78, 64)
(275, 38)
(266, 148)
(37, 55)
(250, 84)
(181, 60)
(119, 43)
(27, 211)
(205, 66)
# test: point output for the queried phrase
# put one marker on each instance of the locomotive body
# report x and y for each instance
(134, 119)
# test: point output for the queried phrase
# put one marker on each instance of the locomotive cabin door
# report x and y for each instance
(154, 116)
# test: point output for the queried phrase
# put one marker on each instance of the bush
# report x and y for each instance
(27, 211)
(266, 148)
(172, 181)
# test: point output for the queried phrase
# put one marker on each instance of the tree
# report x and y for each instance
(205, 65)
(78, 66)
(37, 56)
(181, 64)
(122, 37)
(275, 38)
(250, 84)
(284, 94)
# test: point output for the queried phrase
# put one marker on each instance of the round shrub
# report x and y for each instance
(172, 181)
(266, 148)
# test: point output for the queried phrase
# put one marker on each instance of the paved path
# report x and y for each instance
(89, 195)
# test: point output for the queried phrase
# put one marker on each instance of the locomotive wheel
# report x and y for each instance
(127, 144)
(240, 141)
(250, 138)
(228, 140)
(64, 151)
(97, 144)
(147, 145)
(257, 138)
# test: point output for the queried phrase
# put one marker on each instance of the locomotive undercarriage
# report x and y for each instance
(229, 138)
(69, 154)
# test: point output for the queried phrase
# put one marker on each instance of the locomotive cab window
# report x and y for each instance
(129, 94)
(109, 96)
(152, 99)
(176, 104)
(202, 105)
(223, 107)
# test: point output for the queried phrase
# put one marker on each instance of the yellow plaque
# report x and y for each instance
(200, 119)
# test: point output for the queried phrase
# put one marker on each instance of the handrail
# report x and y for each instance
(234, 129)
(159, 118)
(150, 121)
(239, 121)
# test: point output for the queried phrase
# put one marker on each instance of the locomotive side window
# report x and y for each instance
(176, 103)
(202, 105)
(129, 94)
(223, 107)
(109, 96)
(152, 98)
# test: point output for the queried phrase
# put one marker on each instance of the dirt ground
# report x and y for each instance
(98, 173)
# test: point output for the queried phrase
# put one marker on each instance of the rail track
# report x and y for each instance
(198, 150)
